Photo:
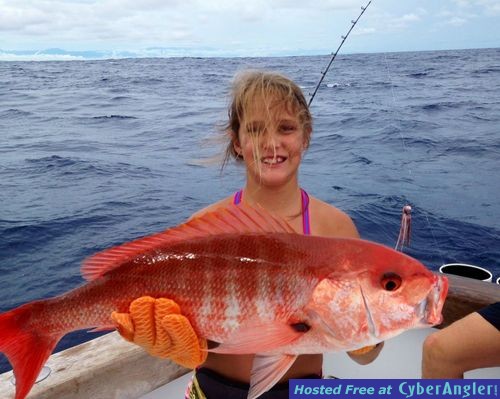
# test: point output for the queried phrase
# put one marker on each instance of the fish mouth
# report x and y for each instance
(431, 307)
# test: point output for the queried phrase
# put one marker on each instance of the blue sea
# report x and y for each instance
(96, 153)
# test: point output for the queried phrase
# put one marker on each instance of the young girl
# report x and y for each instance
(269, 130)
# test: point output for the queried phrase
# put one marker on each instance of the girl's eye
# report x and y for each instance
(255, 129)
(390, 281)
(287, 128)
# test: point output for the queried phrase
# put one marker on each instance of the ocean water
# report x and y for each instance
(96, 153)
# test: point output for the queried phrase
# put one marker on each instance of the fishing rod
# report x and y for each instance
(344, 38)
(405, 229)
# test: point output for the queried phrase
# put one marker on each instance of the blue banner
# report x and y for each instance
(394, 389)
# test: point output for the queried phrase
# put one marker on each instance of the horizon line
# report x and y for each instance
(103, 55)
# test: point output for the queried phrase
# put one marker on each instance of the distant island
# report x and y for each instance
(57, 54)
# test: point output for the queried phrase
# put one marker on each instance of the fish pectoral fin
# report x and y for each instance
(258, 338)
(103, 328)
(267, 371)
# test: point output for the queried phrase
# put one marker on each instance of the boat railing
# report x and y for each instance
(103, 368)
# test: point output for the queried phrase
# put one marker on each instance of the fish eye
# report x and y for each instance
(301, 327)
(391, 281)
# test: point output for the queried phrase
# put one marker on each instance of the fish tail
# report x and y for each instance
(26, 348)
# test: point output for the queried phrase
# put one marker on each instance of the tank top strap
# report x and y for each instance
(306, 223)
(237, 197)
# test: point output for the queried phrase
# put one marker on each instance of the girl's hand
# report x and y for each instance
(367, 354)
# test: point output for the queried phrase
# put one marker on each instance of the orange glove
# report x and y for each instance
(158, 326)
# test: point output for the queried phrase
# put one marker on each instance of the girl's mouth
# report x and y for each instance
(273, 160)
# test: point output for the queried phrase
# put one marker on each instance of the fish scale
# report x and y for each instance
(228, 270)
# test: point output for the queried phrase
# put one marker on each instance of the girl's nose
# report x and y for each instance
(270, 140)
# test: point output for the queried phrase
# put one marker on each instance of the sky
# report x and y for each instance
(241, 27)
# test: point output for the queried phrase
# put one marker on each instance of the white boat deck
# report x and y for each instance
(400, 358)
(110, 368)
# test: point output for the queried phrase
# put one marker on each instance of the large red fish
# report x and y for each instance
(245, 280)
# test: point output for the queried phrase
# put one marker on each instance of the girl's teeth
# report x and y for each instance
(273, 161)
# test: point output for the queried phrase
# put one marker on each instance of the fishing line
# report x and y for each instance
(334, 55)
(405, 220)
(405, 229)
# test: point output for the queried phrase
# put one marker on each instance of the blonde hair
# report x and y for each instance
(270, 90)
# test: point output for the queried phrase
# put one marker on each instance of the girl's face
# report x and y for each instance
(271, 144)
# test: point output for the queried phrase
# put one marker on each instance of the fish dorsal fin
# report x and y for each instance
(232, 219)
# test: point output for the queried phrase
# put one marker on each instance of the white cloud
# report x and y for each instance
(260, 10)
(410, 18)
(14, 18)
(260, 25)
(95, 20)
(363, 31)
(456, 21)
(405, 20)
(462, 3)
(467, 10)
(254, 10)
(219, 5)
(334, 4)
(489, 7)
(135, 24)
